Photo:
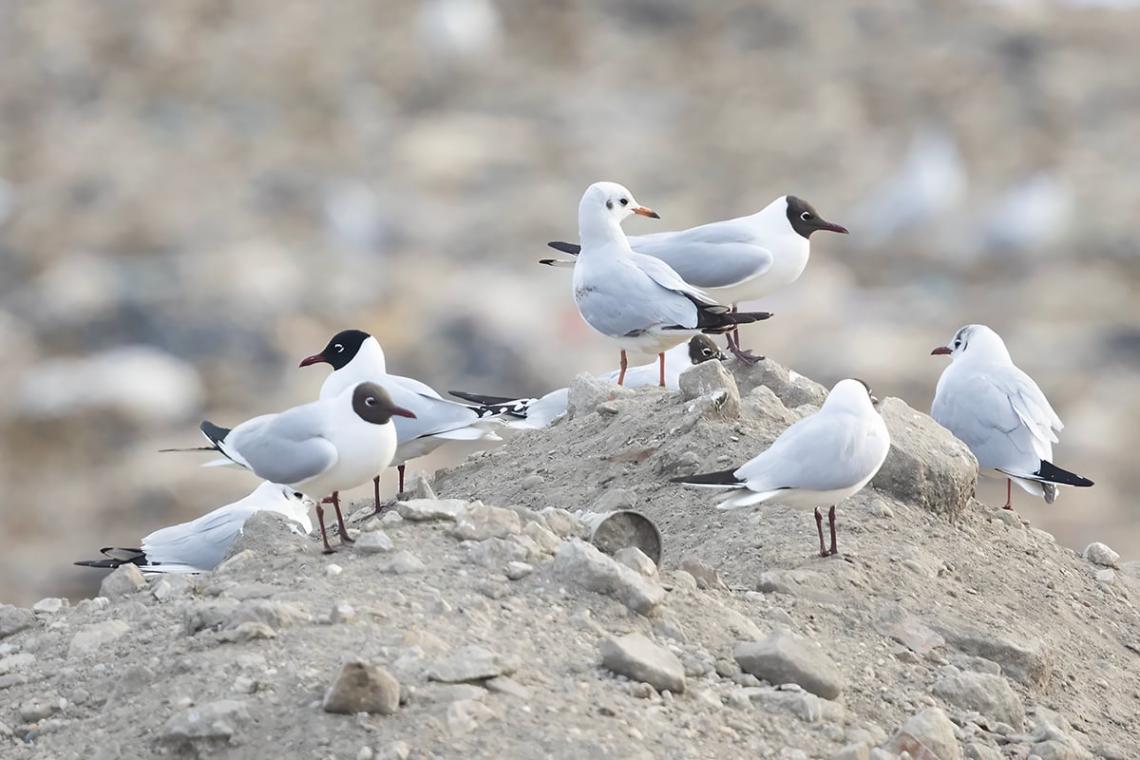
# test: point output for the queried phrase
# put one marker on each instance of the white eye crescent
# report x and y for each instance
(370, 401)
(339, 348)
(805, 215)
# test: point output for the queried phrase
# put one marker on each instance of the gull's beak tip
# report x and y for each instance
(941, 351)
(643, 211)
(308, 360)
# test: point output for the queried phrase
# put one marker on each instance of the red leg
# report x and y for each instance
(831, 525)
(661, 372)
(400, 469)
(743, 355)
(819, 527)
(324, 535)
(624, 364)
(1008, 494)
(376, 493)
(344, 537)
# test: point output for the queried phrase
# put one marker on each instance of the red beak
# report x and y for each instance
(833, 228)
(400, 411)
(314, 359)
(941, 351)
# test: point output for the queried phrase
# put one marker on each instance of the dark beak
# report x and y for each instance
(643, 211)
(314, 359)
(832, 227)
(399, 411)
(941, 351)
(721, 356)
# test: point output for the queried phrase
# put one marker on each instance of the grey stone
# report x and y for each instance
(893, 621)
(266, 533)
(390, 518)
(613, 499)
(494, 553)
(563, 524)
(584, 565)
(534, 552)
(712, 380)
(465, 715)
(470, 663)
(509, 686)
(342, 612)
(790, 388)
(804, 705)
(360, 687)
(987, 694)
(927, 466)
(854, 751)
(635, 559)
(374, 542)
(705, 574)
(397, 750)
(13, 662)
(518, 570)
(481, 522)
(1105, 575)
(546, 539)
(39, 708)
(976, 751)
(420, 487)
(247, 631)
(421, 510)
(15, 619)
(1100, 554)
(50, 605)
(681, 580)
(124, 580)
(212, 721)
(229, 615)
(636, 657)
(94, 637)
(929, 735)
(1027, 662)
(587, 391)
(402, 563)
(784, 658)
(807, 584)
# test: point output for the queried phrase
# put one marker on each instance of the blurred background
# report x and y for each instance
(196, 195)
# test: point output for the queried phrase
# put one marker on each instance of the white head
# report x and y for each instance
(975, 342)
(852, 395)
(294, 505)
(604, 206)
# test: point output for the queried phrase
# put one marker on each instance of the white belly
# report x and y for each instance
(366, 451)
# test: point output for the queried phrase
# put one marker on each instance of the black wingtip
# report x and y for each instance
(214, 433)
(718, 478)
(1053, 474)
(478, 398)
(571, 248)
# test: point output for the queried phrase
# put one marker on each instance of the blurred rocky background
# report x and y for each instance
(195, 195)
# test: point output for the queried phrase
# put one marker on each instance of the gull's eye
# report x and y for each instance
(805, 215)
(370, 401)
(957, 344)
(298, 495)
(338, 348)
(624, 201)
(706, 351)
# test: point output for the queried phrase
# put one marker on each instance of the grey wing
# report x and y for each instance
(1029, 403)
(823, 452)
(715, 255)
(289, 448)
(201, 543)
(433, 415)
(414, 385)
(621, 298)
(982, 415)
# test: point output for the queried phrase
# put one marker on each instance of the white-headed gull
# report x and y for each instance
(200, 545)
(820, 460)
(1000, 413)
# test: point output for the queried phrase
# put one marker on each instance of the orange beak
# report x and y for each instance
(643, 211)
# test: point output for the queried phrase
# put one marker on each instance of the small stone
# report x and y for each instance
(518, 570)
(402, 563)
(365, 753)
(906, 629)
(420, 510)
(391, 518)
(342, 612)
(804, 705)
(214, 720)
(1006, 516)
(534, 552)
(94, 637)
(505, 685)
(398, 750)
(5, 732)
(162, 590)
(880, 508)
(50, 605)
(1100, 554)
(857, 751)
(481, 522)
(360, 687)
(546, 539)
(784, 658)
(469, 663)
(1026, 662)
(712, 380)
(614, 499)
(420, 488)
(564, 524)
(15, 619)
(638, 658)
(635, 559)
(494, 553)
(587, 391)
(332, 570)
(1106, 576)
(531, 482)
(464, 716)
(584, 565)
(682, 581)
(976, 751)
(13, 662)
(705, 574)
(989, 695)
(126, 579)
(39, 708)
(374, 542)
(927, 734)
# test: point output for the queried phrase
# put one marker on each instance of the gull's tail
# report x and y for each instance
(494, 405)
(716, 318)
(109, 562)
(1051, 473)
(719, 479)
(571, 248)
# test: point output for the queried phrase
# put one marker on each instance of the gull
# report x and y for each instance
(200, 545)
(356, 356)
(1000, 413)
(741, 259)
(320, 448)
(637, 300)
(539, 413)
(820, 460)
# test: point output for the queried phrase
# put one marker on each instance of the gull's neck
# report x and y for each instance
(596, 230)
(368, 364)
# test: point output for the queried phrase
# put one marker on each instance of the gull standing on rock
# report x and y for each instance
(1000, 413)
(199, 546)
(318, 449)
(820, 460)
(743, 259)
(356, 356)
(637, 300)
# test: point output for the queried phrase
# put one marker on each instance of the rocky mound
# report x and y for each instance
(946, 629)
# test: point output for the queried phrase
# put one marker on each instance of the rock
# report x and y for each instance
(266, 533)
(706, 575)
(784, 658)
(682, 581)
(15, 619)
(13, 662)
(398, 750)
(50, 605)
(563, 524)
(494, 553)
(712, 380)
(124, 580)
(1050, 740)
(420, 510)
(360, 687)
(893, 621)
(587, 391)
(807, 584)
(614, 499)
(582, 564)
(987, 694)
(39, 708)
(1100, 554)
(332, 570)
(638, 658)
(1105, 576)
(247, 631)
(420, 488)
(390, 518)
(804, 705)
(976, 751)
(856, 751)
(342, 612)
(374, 542)
(505, 685)
(470, 663)
(402, 563)
(1027, 663)
(929, 735)
(94, 637)
(635, 560)
(534, 552)
(481, 522)
(465, 715)
(518, 570)
(926, 466)
(5, 732)
(235, 561)
(546, 539)
(213, 720)
(790, 388)
(229, 615)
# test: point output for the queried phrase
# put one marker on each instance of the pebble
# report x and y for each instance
(636, 560)
(518, 570)
(398, 750)
(15, 619)
(505, 685)
(49, 605)
(420, 488)
(784, 658)
(481, 522)
(880, 508)
(342, 612)
(374, 542)
(470, 663)
(360, 687)
(13, 662)
(494, 553)
(638, 658)
(38, 708)
(705, 574)
(682, 581)
(929, 732)
(989, 695)
(894, 622)
(465, 715)
(563, 524)
(419, 510)
(402, 563)
(124, 580)
(1026, 662)
(95, 637)
(546, 539)
(713, 380)
(1100, 554)
(1106, 576)
(584, 565)
(390, 518)
(213, 720)
(804, 705)
(530, 482)
(332, 570)
(365, 753)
